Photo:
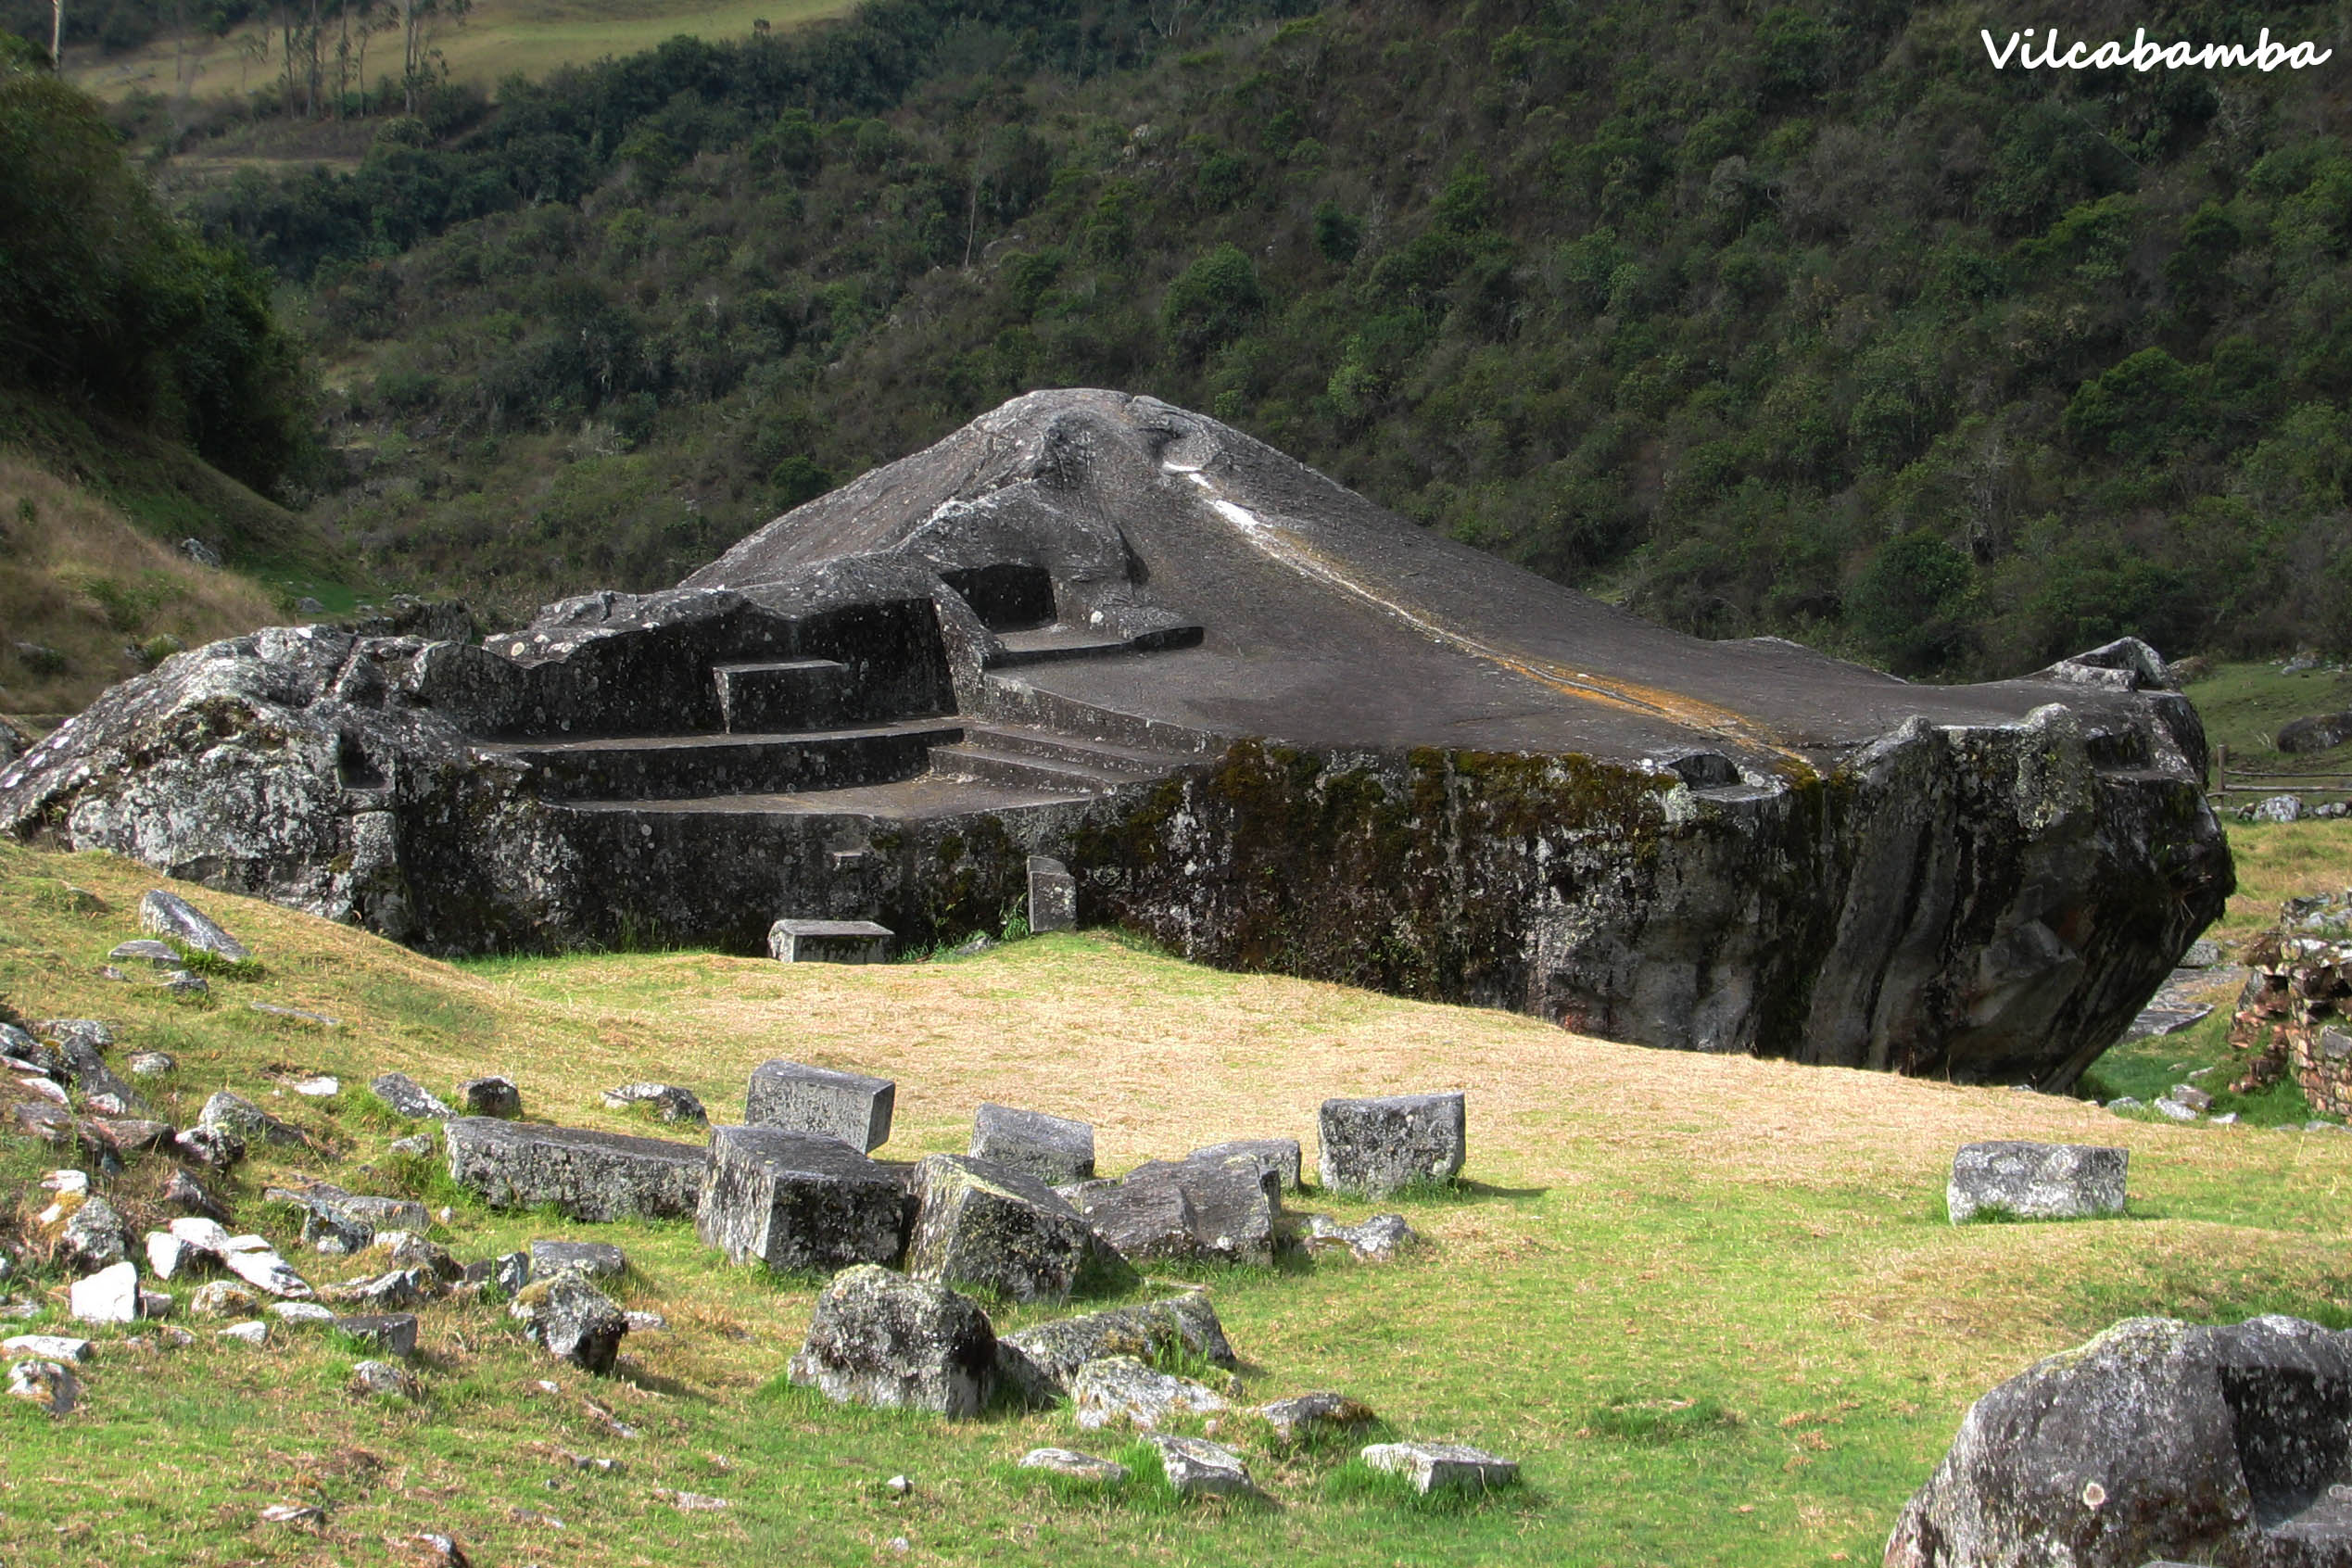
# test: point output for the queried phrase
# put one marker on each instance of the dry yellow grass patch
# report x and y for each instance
(80, 578)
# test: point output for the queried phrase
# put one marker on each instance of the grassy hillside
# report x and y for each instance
(1711, 1303)
(94, 598)
(1790, 321)
(494, 40)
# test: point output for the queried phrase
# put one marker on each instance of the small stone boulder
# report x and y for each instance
(2155, 1440)
(87, 1231)
(1076, 1466)
(1054, 1149)
(168, 915)
(50, 1385)
(795, 1097)
(2036, 1181)
(571, 1321)
(235, 1114)
(1122, 1390)
(799, 1200)
(669, 1101)
(583, 1174)
(223, 1298)
(1040, 1361)
(878, 1338)
(1381, 1239)
(402, 1093)
(598, 1260)
(989, 1225)
(1196, 1467)
(1436, 1467)
(1303, 1416)
(1379, 1146)
(110, 1295)
(392, 1333)
(384, 1381)
(490, 1096)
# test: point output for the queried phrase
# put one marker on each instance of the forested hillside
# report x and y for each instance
(1799, 319)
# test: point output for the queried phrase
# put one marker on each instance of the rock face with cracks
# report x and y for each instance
(2155, 1440)
(1256, 716)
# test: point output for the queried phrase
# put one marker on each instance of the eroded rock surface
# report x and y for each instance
(1253, 713)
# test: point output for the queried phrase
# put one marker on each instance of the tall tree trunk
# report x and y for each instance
(56, 32)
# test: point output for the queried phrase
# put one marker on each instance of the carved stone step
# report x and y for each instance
(784, 694)
(657, 767)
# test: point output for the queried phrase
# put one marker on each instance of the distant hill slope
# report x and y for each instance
(494, 40)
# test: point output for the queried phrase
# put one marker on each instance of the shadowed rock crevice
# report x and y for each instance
(1258, 717)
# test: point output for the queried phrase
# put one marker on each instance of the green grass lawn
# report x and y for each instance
(497, 38)
(1710, 1303)
(2243, 706)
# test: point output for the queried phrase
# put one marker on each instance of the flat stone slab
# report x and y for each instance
(1040, 1361)
(797, 1098)
(1377, 1147)
(1380, 1239)
(1304, 1414)
(598, 1260)
(797, 1200)
(1196, 1467)
(392, 1333)
(2037, 1181)
(1076, 1466)
(990, 1226)
(406, 1098)
(829, 942)
(168, 915)
(881, 1339)
(1122, 1390)
(1432, 1467)
(1052, 1148)
(669, 1101)
(583, 1174)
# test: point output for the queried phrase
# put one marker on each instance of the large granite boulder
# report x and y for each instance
(582, 1174)
(1250, 711)
(1040, 1361)
(1378, 1147)
(994, 1228)
(2155, 1440)
(2026, 1180)
(797, 1200)
(799, 1098)
(881, 1339)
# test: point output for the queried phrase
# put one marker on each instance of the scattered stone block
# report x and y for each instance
(168, 915)
(146, 950)
(878, 1338)
(829, 942)
(300, 1312)
(1280, 1155)
(235, 1114)
(1054, 1149)
(88, 1233)
(584, 1174)
(186, 982)
(2037, 1181)
(1380, 1146)
(598, 1260)
(382, 1380)
(50, 1385)
(490, 1096)
(150, 1063)
(1196, 1467)
(1432, 1467)
(669, 1101)
(183, 1193)
(53, 1346)
(321, 1087)
(1076, 1466)
(298, 1015)
(989, 1225)
(214, 1148)
(1381, 1239)
(1122, 1390)
(132, 1134)
(1228, 1203)
(255, 1332)
(223, 1298)
(262, 1268)
(1040, 1361)
(571, 1321)
(2173, 1110)
(1305, 1415)
(1052, 896)
(110, 1295)
(393, 1333)
(403, 1094)
(389, 1290)
(799, 1200)
(798, 1098)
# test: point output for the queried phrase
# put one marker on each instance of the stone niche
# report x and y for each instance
(1257, 717)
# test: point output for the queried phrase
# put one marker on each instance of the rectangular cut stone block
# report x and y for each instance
(1054, 1149)
(1432, 1467)
(2037, 1181)
(829, 942)
(585, 1175)
(796, 1097)
(990, 1226)
(1053, 895)
(1279, 1154)
(1207, 1207)
(797, 1200)
(1040, 1361)
(784, 694)
(1376, 1146)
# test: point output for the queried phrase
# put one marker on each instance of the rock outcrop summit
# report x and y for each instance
(1265, 721)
